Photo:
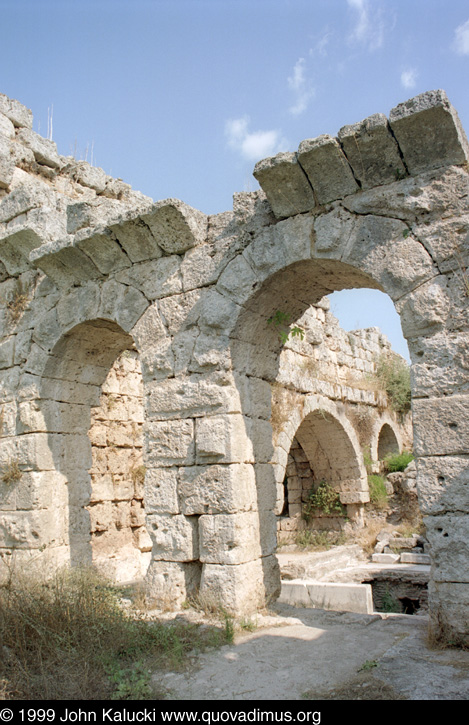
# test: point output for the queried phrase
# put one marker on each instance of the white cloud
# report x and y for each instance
(321, 46)
(252, 145)
(409, 78)
(461, 40)
(369, 26)
(301, 87)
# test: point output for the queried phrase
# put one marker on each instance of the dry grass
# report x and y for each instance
(12, 472)
(366, 537)
(68, 638)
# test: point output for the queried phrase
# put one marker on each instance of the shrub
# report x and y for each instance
(326, 499)
(398, 461)
(393, 375)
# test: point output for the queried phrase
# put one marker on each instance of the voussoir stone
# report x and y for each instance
(372, 151)
(176, 226)
(285, 185)
(429, 132)
(327, 168)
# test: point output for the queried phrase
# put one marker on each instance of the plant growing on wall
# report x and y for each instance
(326, 499)
(280, 320)
(393, 375)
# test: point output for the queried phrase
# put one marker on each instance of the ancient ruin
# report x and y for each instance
(164, 374)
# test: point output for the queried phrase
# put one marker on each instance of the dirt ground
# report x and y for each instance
(310, 654)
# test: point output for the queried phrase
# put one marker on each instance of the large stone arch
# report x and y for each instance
(383, 206)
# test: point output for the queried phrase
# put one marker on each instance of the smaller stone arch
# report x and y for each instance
(387, 437)
(317, 444)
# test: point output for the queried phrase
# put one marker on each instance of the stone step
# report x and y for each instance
(334, 597)
(318, 564)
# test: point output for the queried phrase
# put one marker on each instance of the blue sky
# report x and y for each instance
(181, 97)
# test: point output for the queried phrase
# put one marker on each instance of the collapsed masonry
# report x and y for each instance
(93, 273)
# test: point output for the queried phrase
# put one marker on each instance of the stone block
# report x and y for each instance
(103, 249)
(180, 311)
(32, 451)
(217, 489)
(223, 439)
(121, 303)
(241, 589)
(137, 240)
(211, 352)
(7, 165)
(101, 516)
(7, 128)
(218, 313)
(328, 596)
(449, 612)
(440, 363)
(18, 114)
(442, 484)
(169, 584)
(350, 497)
(32, 529)
(429, 132)
(229, 538)
(410, 558)
(176, 226)
(372, 151)
(448, 536)
(170, 443)
(285, 185)
(379, 247)
(91, 176)
(156, 278)
(385, 558)
(175, 538)
(161, 495)
(327, 168)
(64, 263)
(193, 396)
(441, 425)
(45, 151)
(425, 310)
(238, 280)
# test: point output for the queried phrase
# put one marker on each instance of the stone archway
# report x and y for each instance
(324, 449)
(388, 442)
(383, 206)
(94, 416)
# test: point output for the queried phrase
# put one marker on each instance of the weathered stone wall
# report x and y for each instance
(91, 268)
(119, 540)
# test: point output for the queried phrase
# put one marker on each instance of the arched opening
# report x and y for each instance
(92, 404)
(324, 478)
(282, 369)
(387, 442)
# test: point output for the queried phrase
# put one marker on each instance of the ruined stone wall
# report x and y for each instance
(90, 269)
